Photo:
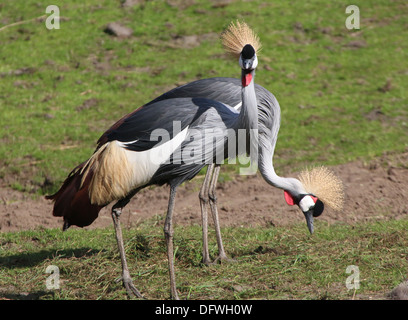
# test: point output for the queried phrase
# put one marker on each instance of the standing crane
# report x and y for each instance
(130, 157)
(319, 182)
(122, 163)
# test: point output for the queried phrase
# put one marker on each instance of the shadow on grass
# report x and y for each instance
(259, 250)
(30, 259)
(37, 295)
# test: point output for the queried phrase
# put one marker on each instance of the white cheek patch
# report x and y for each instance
(255, 63)
(306, 203)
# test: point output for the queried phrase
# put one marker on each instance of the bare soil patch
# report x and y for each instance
(374, 191)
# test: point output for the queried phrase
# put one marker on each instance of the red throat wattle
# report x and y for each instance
(246, 79)
(289, 199)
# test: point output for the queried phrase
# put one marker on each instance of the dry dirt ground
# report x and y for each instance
(374, 191)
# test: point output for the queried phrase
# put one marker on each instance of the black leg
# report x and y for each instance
(168, 233)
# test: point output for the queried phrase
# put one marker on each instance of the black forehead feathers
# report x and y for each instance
(248, 52)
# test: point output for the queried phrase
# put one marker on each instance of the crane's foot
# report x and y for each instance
(130, 287)
(174, 296)
(222, 258)
(207, 261)
(132, 290)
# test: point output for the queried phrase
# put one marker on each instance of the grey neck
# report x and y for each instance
(268, 135)
(248, 117)
(292, 185)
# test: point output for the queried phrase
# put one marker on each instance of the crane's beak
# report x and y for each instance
(309, 220)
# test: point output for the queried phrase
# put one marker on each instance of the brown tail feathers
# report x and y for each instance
(72, 200)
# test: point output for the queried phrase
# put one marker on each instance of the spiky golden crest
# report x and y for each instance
(325, 185)
(237, 36)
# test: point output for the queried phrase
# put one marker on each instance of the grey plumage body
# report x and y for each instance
(227, 91)
(206, 120)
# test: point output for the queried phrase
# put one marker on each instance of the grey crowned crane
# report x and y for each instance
(319, 185)
(144, 148)
(129, 155)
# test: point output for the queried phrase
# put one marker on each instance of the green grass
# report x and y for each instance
(80, 80)
(271, 263)
(343, 97)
